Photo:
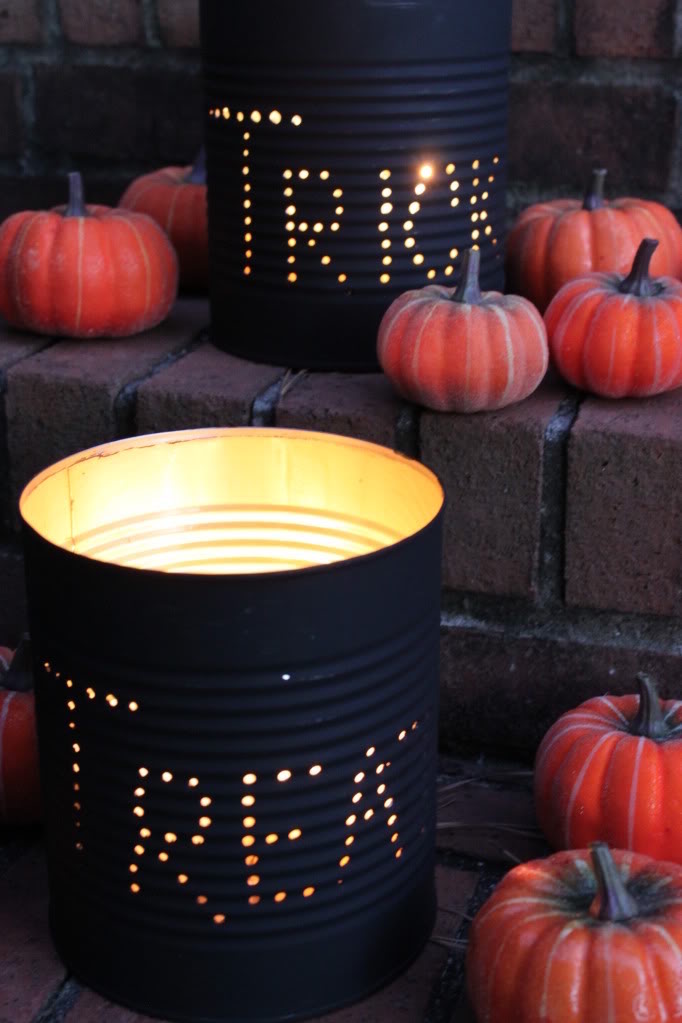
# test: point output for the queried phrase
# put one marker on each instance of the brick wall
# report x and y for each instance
(562, 561)
(113, 87)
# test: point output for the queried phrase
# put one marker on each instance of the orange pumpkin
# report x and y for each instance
(460, 349)
(175, 197)
(85, 271)
(586, 936)
(552, 242)
(619, 336)
(19, 781)
(611, 769)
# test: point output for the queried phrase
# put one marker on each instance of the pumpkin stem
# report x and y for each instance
(649, 721)
(638, 281)
(613, 901)
(197, 175)
(594, 196)
(468, 290)
(76, 206)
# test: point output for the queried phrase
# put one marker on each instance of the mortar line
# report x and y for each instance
(60, 1002)
(263, 411)
(406, 431)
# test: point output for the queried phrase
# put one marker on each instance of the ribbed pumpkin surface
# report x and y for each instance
(106, 273)
(462, 356)
(179, 207)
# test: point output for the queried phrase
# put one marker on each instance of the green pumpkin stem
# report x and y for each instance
(649, 721)
(613, 901)
(638, 281)
(468, 290)
(76, 206)
(197, 174)
(594, 196)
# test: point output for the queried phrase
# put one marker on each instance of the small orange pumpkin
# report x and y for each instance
(19, 779)
(175, 197)
(612, 770)
(553, 242)
(619, 336)
(586, 936)
(461, 349)
(85, 271)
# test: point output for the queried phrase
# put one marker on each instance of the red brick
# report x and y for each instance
(102, 22)
(118, 114)
(354, 404)
(629, 28)
(11, 121)
(558, 131)
(490, 464)
(624, 509)
(501, 690)
(179, 21)
(534, 26)
(29, 968)
(72, 388)
(205, 388)
(20, 21)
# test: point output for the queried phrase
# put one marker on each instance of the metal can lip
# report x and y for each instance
(231, 501)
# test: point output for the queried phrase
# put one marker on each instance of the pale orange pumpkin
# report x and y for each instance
(461, 349)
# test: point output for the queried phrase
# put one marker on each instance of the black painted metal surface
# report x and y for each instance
(355, 148)
(239, 777)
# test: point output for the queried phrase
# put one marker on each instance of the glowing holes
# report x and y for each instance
(394, 837)
(484, 215)
(386, 208)
(294, 834)
(350, 821)
(359, 777)
(414, 207)
(383, 226)
(166, 776)
(69, 684)
(72, 706)
(324, 175)
(290, 225)
(280, 896)
(484, 195)
(475, 234)
(419, 189)
(287, 174)
(252, 880)
(205, 822)
(357, 797)
(139, 792)
(90, 693)
(368, 814)
(349, 840)
(380, 768)
(381, 789)
(249, 779)
(307, 892)
(288, 192)
(198, 839)
(454, 185)
(75, 768)
(418, 259)
(205, 801)
(245, 170)
(135, 888)
(387, 260)
(317, 227)
(384, 175)
(290, 210)
(488, 229)
(315, 770)
(271, 839)
(386, 243)
(283, 775)
(133, 706)
(292, 277)
(391, 820)
(182, 879)
(473, 200)
(335, 226)
(251, 860)
(193, 782)
(163, 856)
(256, 116)
(454, 202)
(338, 211)
(275, 117)
(476, 182)
(247, 841)
(337, 193)
(303, 174)
(342, 278)
(476, 164)
(426, 171)
(370, 751)
(454, 253)
(384, 278)
(170, 837)
(344, 861)
(450, 169)
(297, 120)
(410, 243)
(388, 802)
(218, 918)
(474, 218)
(398, 853)
(201, 900)
(145, 833)
(254, 900)
(303, 226)
(76, 748)
(240, 115)
(139, 850)
(249, 822)
(449, 270)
